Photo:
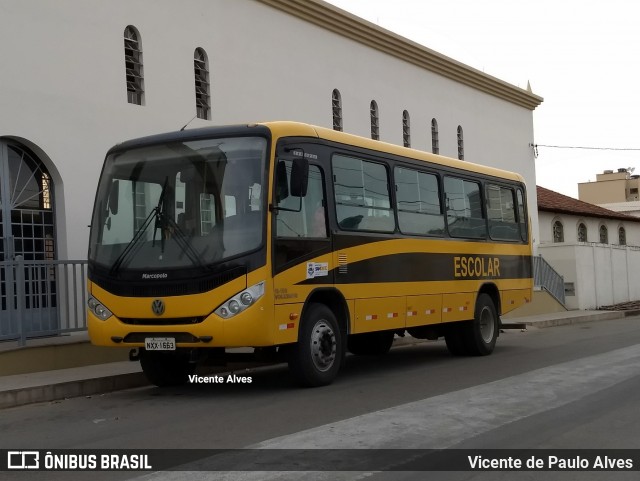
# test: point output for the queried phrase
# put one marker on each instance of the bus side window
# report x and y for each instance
(501, 211)
(311, 221)
(465, 216)
(362, 195)
(419, 210)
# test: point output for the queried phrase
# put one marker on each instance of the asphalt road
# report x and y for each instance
(572, 387)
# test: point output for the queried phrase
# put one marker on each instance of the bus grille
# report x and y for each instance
(178, 321)
(123, 287)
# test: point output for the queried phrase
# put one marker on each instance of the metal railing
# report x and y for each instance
(42, 298)
(546, 277)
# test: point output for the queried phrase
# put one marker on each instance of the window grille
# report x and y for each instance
(460, 143)
(622, 236)
(582, 232)
(558, 231)
(336, 107)
(406, 129)
(375, 121)
(46, 191)
(201, 73)
(133, 66)
(435, 141)
(604, 235)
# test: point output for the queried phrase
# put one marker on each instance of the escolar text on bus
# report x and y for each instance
(476, 266)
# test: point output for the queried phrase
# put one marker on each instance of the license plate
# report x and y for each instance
(160, 344)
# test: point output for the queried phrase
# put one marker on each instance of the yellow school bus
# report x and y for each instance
(302, 242)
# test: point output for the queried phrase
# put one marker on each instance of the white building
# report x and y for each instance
(64, 95)
(596, 250)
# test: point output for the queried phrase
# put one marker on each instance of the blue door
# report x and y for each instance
(27, 288)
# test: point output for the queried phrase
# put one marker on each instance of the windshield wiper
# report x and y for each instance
(161, 222)
(133, 242)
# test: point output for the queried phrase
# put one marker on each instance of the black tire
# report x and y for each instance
(167, 368)
(370, 344)
(481, 333)
(453, 337)
(317, 356)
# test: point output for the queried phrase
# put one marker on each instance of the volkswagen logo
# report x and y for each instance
(157, 306)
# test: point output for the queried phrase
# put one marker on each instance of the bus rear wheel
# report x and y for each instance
(370, 343)
(166, 368)
(316, 358)
(481, 333)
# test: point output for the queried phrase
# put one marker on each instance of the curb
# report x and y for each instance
(69, 389)
(567, 321)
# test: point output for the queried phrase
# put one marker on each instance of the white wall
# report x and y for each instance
(602, 274)
(63, 88)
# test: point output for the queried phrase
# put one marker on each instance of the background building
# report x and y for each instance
(617, 191)
(596, 250)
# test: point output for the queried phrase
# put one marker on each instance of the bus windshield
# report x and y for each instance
(180, 205)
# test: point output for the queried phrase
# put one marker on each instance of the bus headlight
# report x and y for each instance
(241, 301)
(98, 309)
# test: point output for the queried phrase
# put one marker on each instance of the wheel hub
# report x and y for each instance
(323, 346)
(487, 325)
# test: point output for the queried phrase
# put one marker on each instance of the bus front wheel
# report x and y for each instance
(316, 358)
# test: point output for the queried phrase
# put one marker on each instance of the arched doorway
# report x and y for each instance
(27, 233)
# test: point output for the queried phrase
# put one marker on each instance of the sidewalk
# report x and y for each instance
(52, 385)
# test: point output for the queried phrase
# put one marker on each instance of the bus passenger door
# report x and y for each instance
(301, 245)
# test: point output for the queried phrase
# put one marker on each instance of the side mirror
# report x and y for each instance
(114, 194)
(299, 177)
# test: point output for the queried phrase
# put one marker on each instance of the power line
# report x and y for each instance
(629, 149)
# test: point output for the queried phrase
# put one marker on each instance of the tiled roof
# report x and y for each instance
(551, 201)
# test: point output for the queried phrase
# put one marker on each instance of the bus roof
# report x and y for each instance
(297, 129)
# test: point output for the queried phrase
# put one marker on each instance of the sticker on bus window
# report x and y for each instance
(317, 269)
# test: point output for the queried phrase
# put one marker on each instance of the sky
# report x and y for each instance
(582, 57)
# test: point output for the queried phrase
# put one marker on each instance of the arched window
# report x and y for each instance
(27, 231)
(336, 107)
(133, 66)
(460, 143)
(406, 129)
(622, 236)
(604, 235)
(201, 73)
(558, 231)
(582, 232)
(435, 142)
(375, 120)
